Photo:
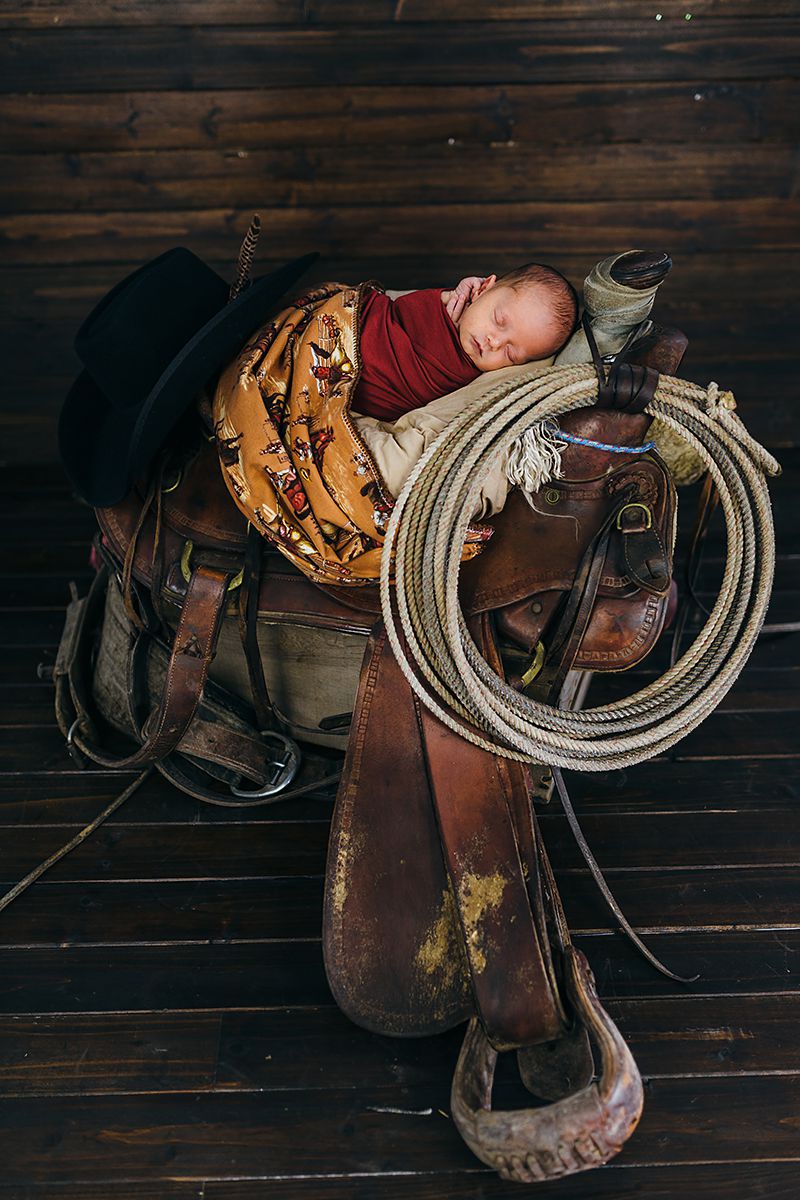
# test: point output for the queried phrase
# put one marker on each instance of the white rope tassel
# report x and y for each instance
(534, 458)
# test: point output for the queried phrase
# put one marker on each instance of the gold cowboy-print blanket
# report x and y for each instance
(291, 455)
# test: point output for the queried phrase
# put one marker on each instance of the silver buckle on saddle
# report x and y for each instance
(285, 763)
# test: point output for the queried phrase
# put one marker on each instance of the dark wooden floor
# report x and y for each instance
(167, 1030)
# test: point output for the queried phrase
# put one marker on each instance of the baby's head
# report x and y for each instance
(523, 316)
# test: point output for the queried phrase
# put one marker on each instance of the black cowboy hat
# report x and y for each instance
(148, 347)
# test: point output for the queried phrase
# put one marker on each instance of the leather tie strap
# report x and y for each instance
(626, 386)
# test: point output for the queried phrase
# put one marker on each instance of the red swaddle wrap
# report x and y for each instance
(410, 354)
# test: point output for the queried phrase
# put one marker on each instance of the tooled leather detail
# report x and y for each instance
(629, 649)
(588, 1149)
(642, 483)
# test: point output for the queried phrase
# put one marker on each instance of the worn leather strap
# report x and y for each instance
(645, 554)
(576, 612)
(626, 386)
(193, 649)
(479, 798)
(220, 742)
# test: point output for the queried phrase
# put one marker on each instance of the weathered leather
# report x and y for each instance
(119, 682)
(632, 595)
(413, 938)
(495, 880)
(187, 670)
(394, 960)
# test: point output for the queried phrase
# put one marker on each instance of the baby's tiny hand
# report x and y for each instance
(456, 301)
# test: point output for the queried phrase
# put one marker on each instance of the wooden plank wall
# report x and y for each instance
(408, 140)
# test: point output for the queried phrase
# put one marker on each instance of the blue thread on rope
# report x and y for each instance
(571, 437)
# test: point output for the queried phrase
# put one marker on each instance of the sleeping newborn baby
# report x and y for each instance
(429, 343)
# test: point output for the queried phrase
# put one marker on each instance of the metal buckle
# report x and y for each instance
(285, 767)
(636, 504)
(186, 569)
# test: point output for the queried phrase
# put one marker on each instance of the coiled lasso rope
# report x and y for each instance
(423, 547)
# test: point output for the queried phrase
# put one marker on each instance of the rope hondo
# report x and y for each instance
(423, 547)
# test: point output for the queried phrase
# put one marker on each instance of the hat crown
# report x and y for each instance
(132, 335)
(148, 348)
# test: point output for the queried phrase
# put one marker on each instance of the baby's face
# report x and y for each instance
(504, 326)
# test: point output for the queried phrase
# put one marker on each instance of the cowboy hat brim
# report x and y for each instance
(104, 447)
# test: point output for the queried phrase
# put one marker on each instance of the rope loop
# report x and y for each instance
(421, 562)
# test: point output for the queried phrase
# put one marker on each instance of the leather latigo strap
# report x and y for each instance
(419, 944)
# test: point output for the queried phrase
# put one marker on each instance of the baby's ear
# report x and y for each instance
(488, 282)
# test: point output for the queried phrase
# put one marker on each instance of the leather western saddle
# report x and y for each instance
(440, 905)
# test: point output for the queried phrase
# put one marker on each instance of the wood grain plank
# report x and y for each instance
(285, 849)
(717, 1181)
(755, 690)
(236, 975)
(298, 1050)
(76, 798)
(44, 13)
(762, 785)
(159, 1189)
(158, 910)
(102, 979)
(210, 1135)
(734, 734)
(391, 175)
(765, 787)
(596, 229)
(347, 114)
(172, 57)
